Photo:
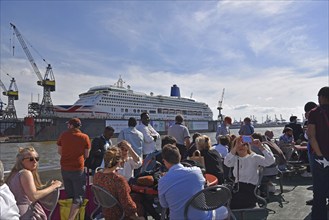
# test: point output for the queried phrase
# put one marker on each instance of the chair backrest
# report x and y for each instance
(208, 199)
(49, 202)
(105, 199)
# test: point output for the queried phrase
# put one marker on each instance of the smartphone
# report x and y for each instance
(246, 139)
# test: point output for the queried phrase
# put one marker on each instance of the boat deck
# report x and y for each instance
(290, 205)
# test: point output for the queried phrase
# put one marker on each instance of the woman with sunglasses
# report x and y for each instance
(246, 163)
(25, 184)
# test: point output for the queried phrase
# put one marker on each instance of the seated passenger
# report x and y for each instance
(212, 159)
(192, 148)
(8, 209)
(179, 184)
(246, 163)
(286, 142)
(222, 145)
(129, 160)
(268, 135)
(267, 138)
(24, 182)
(117, 185)
(269, 172)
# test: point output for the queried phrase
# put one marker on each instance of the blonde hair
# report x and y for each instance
(22, 152)
(112, 157)
(203, 142)
(123, 143)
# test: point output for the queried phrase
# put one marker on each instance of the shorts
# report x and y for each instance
(75, 185)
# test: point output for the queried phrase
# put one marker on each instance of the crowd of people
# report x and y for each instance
(233, 160)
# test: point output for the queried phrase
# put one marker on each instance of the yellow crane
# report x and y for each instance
(46, 108)
(12, 93)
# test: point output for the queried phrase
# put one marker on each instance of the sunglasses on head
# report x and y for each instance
(32, 159)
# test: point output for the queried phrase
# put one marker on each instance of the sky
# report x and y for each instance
(270, 56)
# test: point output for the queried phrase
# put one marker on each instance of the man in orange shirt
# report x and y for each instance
(74, 146)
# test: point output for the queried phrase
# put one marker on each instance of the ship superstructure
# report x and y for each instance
(118, 102)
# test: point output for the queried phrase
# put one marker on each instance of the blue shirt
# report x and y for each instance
(286, 139)
(134, 137)
(222, 129)
(177, 186)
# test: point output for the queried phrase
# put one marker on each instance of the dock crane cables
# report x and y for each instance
(47, 82)
(26, 50)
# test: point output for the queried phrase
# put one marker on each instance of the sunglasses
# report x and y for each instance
(32, 159)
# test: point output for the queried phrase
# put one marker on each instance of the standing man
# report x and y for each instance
(98, 147)
(179, 184)
(149, 133)
(181, 134)
(73, 147)
(133, 136)
(224, 128)
(317, 132)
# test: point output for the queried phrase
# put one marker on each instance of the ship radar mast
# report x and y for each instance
(120, 82)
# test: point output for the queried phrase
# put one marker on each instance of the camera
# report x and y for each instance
(246, 139)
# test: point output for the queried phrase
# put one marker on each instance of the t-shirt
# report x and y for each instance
(320, 118)
(73, 143)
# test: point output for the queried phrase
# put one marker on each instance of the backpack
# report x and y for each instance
(150, 164)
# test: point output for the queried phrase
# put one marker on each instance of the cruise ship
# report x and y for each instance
(119, 102)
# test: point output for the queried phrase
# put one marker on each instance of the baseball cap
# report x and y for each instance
(75, 122)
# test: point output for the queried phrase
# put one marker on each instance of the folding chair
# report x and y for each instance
(208, 199)
(49, 202)
(104, 199)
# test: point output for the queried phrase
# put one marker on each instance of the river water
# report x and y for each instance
(49, 156)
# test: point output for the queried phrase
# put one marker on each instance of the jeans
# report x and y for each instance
(310, 157)
(320, 187)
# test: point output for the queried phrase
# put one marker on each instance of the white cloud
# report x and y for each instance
(262, 52)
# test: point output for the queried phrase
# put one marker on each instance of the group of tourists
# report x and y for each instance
(232, 160)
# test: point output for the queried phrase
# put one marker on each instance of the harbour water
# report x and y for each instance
(50, 158)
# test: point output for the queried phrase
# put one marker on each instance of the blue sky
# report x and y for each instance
(270, 56)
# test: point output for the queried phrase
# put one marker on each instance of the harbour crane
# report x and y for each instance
(12, 93)
(46, 108)
(220, 103)
(1, 107)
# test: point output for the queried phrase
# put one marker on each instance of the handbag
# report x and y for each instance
(198, 158)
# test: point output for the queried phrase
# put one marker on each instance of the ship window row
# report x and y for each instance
(168, 102)
(127, 103)
(160, 111)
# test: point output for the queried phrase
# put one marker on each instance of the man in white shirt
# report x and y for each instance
(149, 133)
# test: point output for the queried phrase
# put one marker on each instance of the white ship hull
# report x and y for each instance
(118, 102)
